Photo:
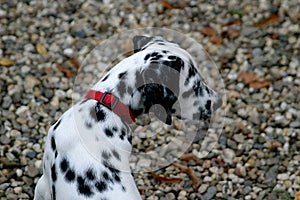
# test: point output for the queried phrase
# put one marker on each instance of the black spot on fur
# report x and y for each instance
(101, 186)
(164, 51)
(70, 175)
(53, 144)
(104, 79)
(57, 124)
(53, 173)
(122, 135)
(129, 138)
(108, 132)
(83, 187)
(98, 114)
(106, 155)
(121, 88)
(122, 75)
(123, 188)
(116, 177)
(172, 57)
(88, 125)
(105, 175)
(55, 154)
(64, 165)
(90, 174)
(53, 192)
(116, 154)
(115, 129)
(198, 89)
(147, 57)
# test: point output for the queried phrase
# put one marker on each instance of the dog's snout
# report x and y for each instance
(218, 103)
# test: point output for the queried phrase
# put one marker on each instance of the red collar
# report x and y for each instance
(112, 102)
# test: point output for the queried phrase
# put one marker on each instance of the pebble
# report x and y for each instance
(229, 154)
(211, 192)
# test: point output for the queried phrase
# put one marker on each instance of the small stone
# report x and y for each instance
(32, 171)
(211, 192)
(283, 176)
(18, 190)
(203, 188)
(239, 138)
(229, 154)
(4, 139)
(19, 172)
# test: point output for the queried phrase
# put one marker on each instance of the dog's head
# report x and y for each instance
(169, 83)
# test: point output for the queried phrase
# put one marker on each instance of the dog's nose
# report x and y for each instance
(218, 103)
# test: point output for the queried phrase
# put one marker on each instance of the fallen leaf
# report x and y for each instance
(233, 22)
(167, 5)
(260, 84)
(165, 179)
(74, 62)
(41, 49)
(247, 78)
(7, 62)
(189, 171)
(297, 195)
(273, 18)
(230, 34)
(67, 72)
(216, 40)
(191, 156)
(209, 31)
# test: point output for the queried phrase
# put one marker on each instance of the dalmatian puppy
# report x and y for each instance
(87, 150)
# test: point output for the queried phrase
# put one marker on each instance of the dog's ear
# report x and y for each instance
(140, 41)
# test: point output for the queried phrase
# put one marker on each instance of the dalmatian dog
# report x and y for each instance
(87, 150)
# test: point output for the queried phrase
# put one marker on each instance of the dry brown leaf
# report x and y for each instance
(74, 62)
(273, 18)
(41, 49)
(247, 77)
(233, 22)
(165, 179)
(167, 5)
(230, 34)
(216, 40)
(297, 195)
(260, 84)
(67, 72)
(7, 62)
(189, 171)
(209, 31)
(191, 156)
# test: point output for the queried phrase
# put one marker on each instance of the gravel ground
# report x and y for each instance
(255, 44)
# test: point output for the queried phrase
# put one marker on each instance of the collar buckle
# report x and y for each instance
(113, 100)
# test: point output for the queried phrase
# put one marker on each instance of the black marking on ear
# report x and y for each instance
(208, 105)
(101, 186)
(64, 165)
(53, 192)
(83, 188)
(57, 124)
(116, 154)
(53, 144)
(53, 173)
(108, 132)
(104, 79)
(70, 175)
(122, 75)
